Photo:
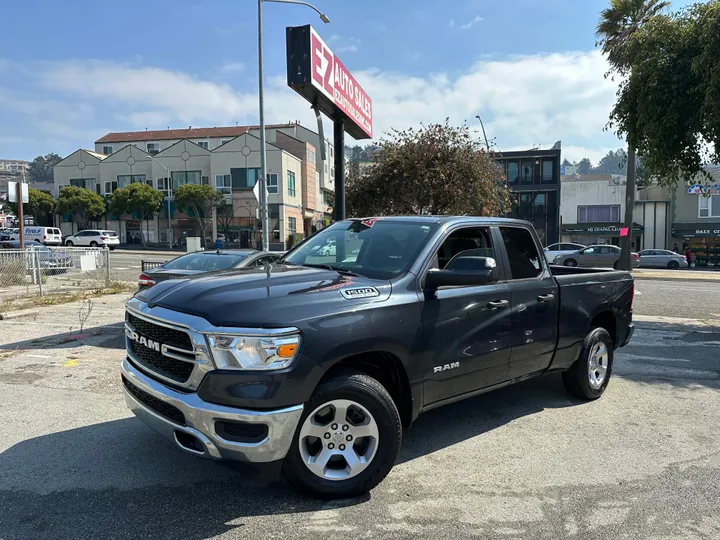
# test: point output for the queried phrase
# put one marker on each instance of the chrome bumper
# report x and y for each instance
(200, 418)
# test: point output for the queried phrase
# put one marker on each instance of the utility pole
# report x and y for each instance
(263, 155)
(21, 217)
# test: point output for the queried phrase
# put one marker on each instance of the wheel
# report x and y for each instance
(673, 265)
(347, 439)
(93, 244)
(615, 266)
(570, 262)
(111, 248)
(69, 243)
(589, 376)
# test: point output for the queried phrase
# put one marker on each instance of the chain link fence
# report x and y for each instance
(41, 271)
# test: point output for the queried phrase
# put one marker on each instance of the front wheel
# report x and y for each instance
(589, 376)
(93, 244)
(347, 439)
(69, 243)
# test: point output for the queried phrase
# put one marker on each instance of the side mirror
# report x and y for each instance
(465, 271)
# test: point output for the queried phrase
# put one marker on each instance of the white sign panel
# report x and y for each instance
(12, 192)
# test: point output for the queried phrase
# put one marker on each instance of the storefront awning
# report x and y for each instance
(608, 229)
(697, 230)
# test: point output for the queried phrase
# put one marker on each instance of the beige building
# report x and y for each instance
(230, 162)
(14, 166)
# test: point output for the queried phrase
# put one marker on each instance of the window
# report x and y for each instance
(225, 141)
(311, 156)
(513, 172)
(77, 182)
(525, 262)
(608, 213)
(292, 225)
(501, 170)
(243, 178)
(205, 180)
(547, 171)
(272, 182)
(206, 261)
(110, 187)
(526, 171)
(223, 183)
(153, 148)
(98, 188)
(180, 178)
(474, 242)
(124, 180)
(163, 184)
(203, 144)
(291, 183)
(274, 211)
(107, 150)
(540, 204)
(709, 206)
(609, 250)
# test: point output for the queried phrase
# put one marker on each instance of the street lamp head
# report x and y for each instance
(324, 18)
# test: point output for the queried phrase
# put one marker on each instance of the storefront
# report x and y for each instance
(702, 238)
(599, 233)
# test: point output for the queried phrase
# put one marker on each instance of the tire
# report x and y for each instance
(570, 262)
(69, 243)
(673, 265)
(361, 394)
(111, 248)
(615, 266)
(577, 379)
(93, 244)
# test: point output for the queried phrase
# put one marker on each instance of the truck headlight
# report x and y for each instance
(253, 353)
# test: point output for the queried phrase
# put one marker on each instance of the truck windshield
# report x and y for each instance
(375, 248)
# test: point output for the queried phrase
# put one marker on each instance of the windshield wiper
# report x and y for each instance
(343, 271)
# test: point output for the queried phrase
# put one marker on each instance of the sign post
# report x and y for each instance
(318, 75)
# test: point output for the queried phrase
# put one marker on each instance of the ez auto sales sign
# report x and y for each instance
(318, 75)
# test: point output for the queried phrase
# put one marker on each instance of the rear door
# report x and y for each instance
(534, 294)
(609, 255)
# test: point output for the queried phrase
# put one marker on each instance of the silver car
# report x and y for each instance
(662, 258)
(595, 257)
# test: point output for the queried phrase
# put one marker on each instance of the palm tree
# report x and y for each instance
(617, 25)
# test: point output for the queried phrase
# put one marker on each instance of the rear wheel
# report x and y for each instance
(589, 376)
(93, 244)
(347, 439)
(673, 265)
(570, 262)
(615, 266)
(69, 243)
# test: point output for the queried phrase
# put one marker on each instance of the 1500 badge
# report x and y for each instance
(360, 292)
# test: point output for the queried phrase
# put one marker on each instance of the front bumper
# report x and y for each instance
(199, 436)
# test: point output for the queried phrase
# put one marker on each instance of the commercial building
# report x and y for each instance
(226, 158)
(534, 178)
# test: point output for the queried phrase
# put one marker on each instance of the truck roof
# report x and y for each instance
(445, 219)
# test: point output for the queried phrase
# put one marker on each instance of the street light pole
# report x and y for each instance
(261, 102)
(487, 144)
(169, 180)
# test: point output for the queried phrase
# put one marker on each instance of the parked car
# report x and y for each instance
(50, 236)
(49, 260)
(205, 262)
(318, 367)
(8, 233)
(94, 238)
(595, 257)
(662, 258)
(562, 248)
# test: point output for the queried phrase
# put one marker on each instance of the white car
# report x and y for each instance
(561, 248)
(94, 238)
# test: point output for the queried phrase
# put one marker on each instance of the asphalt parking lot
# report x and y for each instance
(523, 462)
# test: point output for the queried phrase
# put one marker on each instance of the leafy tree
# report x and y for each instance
(81, 202)
(584, 166)
(437, 169)
(41, 168)
(137, 198)
(566, 163)
(616, 29)
(200, 200)
(39, 205)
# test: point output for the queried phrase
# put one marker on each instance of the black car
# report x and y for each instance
(205, 262)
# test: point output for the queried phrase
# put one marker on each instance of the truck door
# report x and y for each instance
(534, 294)
(465, 334)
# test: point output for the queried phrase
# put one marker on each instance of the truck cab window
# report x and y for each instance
(522, 253)
(472, 242)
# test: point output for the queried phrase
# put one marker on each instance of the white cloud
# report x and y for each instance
(472, 23)
(523, 100)
(232, 67)
(341, 44)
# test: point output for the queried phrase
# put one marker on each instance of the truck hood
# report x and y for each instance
(249, 298)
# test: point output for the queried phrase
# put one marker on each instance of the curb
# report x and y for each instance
(9, 316)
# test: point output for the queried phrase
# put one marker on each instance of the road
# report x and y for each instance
(126, 266)
(525, 462)
(672, 298)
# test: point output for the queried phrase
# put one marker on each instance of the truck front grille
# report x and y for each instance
(161, 334)
(165, 410)
(176, 370)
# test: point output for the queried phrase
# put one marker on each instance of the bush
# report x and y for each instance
(294, 239)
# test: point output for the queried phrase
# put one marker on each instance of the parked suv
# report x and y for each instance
(94, 238)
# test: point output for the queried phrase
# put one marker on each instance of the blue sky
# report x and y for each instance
(72, 71)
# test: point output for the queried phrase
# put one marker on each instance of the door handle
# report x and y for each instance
(545, 297)
(498, 304)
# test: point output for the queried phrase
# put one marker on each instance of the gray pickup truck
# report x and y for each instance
(318, 363)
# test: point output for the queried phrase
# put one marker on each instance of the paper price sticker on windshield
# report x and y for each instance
(369, 222)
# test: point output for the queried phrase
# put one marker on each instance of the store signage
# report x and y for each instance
(615, 230)
(704, 189)
(711, 230)
(317, 74)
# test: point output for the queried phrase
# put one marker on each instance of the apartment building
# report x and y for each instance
(14, 166)
(226, 158)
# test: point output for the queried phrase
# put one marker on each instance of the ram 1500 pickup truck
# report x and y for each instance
(317, 363)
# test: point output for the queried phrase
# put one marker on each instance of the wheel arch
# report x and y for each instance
(606, 319)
